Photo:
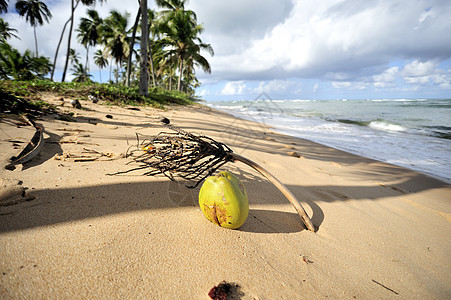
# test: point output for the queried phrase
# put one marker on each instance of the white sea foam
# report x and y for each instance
(302, 100)
(381, 125)
(395, 133)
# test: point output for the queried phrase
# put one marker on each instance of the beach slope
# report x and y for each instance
(70, 230)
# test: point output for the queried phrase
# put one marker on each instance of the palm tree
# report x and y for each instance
(74, 5)
(143, 85)
(73, 56)
(13, 64)
(189, 75)
(35, 12)
(59, 42)
(182, 41)
(3, 6)
(58, 48)
(88, 31)
(101, 61)
(80, 73)
(6, 32)
(115, 36)
(40, 66)
(166, 66)
(171, 8)
(152, 30)
(19, 66)
(132, 44)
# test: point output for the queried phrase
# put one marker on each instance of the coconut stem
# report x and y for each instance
(279, 185)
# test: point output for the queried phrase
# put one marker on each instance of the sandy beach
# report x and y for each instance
(383, 232)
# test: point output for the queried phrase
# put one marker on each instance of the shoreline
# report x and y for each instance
(83, 233)
(437, 177)
(338, 147)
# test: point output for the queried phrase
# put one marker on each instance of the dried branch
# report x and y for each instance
(195, 157)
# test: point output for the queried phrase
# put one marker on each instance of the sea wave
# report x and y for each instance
(443, 132)
(397, 100)
(409, 132)
(302, 100)
(375, 124)
(386, 126)
(354, 122)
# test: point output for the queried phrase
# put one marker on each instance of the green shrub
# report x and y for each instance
(115, 94)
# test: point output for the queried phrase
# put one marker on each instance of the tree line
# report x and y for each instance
(170, 47)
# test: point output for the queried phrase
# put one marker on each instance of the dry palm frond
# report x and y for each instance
(195, 157)
(180, 153)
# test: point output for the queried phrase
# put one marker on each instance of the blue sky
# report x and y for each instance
(304, 49)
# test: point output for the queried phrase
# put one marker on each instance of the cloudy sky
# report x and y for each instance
(301, 49)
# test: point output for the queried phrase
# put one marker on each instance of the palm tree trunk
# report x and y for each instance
(58, 48)
(87, 60)
(179, 84)
(70, 37)
(100, 74)
(152, 68)
(117, 73)
(35, 41)
(143, 84)
(132, 43)
(111, 66)
(59, 43)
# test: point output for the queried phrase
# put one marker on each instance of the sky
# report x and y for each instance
(297, 49)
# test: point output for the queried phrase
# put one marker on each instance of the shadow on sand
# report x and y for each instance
(53, 206)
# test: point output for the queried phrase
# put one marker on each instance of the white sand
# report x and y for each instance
(383, 231)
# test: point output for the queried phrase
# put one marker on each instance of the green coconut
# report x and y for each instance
(223, 200)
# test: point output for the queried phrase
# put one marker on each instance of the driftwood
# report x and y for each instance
(33, 147)
(195, 157)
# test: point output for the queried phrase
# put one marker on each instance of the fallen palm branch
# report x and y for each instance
(33, 147)
(195, 157)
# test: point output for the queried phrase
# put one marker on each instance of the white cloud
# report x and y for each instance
(355, 85)
(419, 69)
(350, 44)
(386, 78)
(341, 84)
(233, 88)
(444, 80)
(203, 92)
(231, 26)
(346, 37)
(422, 73)
(274, 86)
(417, 80)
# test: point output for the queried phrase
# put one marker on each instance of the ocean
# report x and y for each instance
(412, 133)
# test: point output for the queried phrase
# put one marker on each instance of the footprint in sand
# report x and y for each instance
(12, 192)
(329, 194)
(396, 189)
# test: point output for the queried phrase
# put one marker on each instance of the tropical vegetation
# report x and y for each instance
(35, 12)
(160, 51)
